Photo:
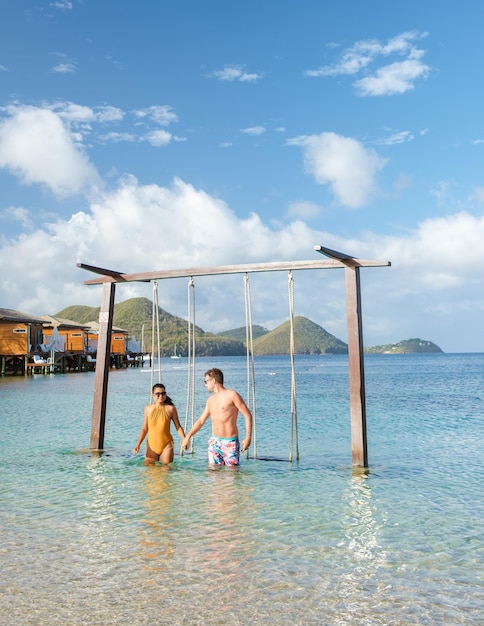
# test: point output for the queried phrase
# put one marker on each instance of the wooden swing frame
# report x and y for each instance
(109, 278)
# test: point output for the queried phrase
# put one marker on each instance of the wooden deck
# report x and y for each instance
(44, 368)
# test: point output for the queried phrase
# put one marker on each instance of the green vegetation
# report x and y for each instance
(134, 314)
(408, 346)
(240, 333)
(309, 338)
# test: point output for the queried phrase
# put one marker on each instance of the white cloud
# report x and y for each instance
(161, 114)
(158, 137)
(231, 73)
(253, 130)
(108, 113)
(342, 163)
(18, 214)
(64, 68)
(435, 274)
(392, 79)
(399, 137)
(65, 5)
(117, 137)
(395, 78)
(74, 113)
(37, 147)
(78, 114)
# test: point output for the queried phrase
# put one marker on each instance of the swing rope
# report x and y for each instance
(190, 405)
(294, 432)
(251, 398)
(155, 333)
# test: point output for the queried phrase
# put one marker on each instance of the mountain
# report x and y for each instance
(408, 346)
(131, 315)
(240, 333)
(309, 338)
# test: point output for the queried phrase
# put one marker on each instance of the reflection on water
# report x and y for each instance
(159, 519)
(364, 556)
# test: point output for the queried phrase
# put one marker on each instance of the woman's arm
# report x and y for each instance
(143, 432)
(176, 421)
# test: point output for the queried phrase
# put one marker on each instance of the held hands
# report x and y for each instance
(136, 449)
(245, 445)
(185, 442)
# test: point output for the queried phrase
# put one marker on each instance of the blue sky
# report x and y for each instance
(155, 135)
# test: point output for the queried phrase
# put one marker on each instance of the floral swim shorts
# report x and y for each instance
(223, 450)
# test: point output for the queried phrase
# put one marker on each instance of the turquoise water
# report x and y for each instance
(101, 539)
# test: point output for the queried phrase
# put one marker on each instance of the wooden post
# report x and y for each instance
(101, 376)
(359, 447)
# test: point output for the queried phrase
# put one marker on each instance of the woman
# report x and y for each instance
(157, 420)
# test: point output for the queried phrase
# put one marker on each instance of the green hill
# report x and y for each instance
(240, 333)
(134, 314)
(309, 338)
(408, 346)
(79, 313)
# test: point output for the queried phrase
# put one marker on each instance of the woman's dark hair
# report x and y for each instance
(168, 400)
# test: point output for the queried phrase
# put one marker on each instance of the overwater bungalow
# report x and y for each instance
(46, 344)
(119, 343)
(19, 333)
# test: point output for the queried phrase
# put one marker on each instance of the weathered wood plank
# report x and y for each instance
(101, 376)
(110, 276)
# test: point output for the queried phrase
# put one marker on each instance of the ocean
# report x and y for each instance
(89, 538)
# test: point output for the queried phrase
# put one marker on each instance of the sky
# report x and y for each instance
(143, 136)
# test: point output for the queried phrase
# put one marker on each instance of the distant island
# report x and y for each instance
(135, 317)
(408, 346)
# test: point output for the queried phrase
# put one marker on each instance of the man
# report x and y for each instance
(223, 408)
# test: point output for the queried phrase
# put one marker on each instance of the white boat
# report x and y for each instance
(175, 355)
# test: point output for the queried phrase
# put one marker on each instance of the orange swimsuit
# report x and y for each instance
(159, 435)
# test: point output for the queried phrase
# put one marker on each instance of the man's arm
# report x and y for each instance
(196, 427)
(244, 409)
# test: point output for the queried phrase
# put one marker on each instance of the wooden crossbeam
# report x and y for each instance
(110, 276)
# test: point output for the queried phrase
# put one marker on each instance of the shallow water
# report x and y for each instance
(100, 539)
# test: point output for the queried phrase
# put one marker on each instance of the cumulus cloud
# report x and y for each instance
(38, 147)
(393, 78)
(158, 137)
(147, 227)
(342, 163)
